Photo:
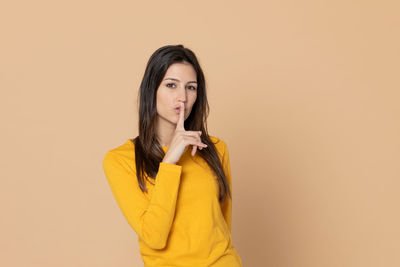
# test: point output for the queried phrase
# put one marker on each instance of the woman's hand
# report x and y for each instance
(182, 139)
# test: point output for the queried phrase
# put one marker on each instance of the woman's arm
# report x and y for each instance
(152, 219)
(226, 206)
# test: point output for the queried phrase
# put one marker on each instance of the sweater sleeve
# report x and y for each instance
(150, 219)
(226, 206)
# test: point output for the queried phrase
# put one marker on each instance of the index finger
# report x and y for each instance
(181, 119)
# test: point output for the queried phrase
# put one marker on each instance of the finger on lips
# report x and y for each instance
(180, 125)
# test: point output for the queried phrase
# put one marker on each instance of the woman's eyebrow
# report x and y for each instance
(178, 80)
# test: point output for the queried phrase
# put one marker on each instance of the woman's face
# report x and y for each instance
(178, 85)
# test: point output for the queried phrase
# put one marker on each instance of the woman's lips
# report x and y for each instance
(177, 110)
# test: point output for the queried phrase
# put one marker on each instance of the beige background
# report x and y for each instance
(305, 94)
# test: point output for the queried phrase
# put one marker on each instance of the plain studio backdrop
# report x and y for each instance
(304, 93)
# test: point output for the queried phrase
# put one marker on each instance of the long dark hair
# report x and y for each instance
(148, 151)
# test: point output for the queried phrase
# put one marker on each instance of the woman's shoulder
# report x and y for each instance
(123, 152)
(125, 148)
(219, 143)
(126, 151)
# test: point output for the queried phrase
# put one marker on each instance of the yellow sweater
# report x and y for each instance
(180, 221)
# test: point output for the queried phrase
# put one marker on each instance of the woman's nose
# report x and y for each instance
(182, 94)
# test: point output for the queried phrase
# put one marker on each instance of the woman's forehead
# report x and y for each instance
(179, 71)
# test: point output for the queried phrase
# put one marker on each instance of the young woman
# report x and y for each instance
(173, 182)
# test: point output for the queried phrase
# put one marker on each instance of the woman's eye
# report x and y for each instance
(168, 84)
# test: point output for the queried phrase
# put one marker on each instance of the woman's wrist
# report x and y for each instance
(165, 160)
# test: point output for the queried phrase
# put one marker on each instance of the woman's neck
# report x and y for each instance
(165, 132)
